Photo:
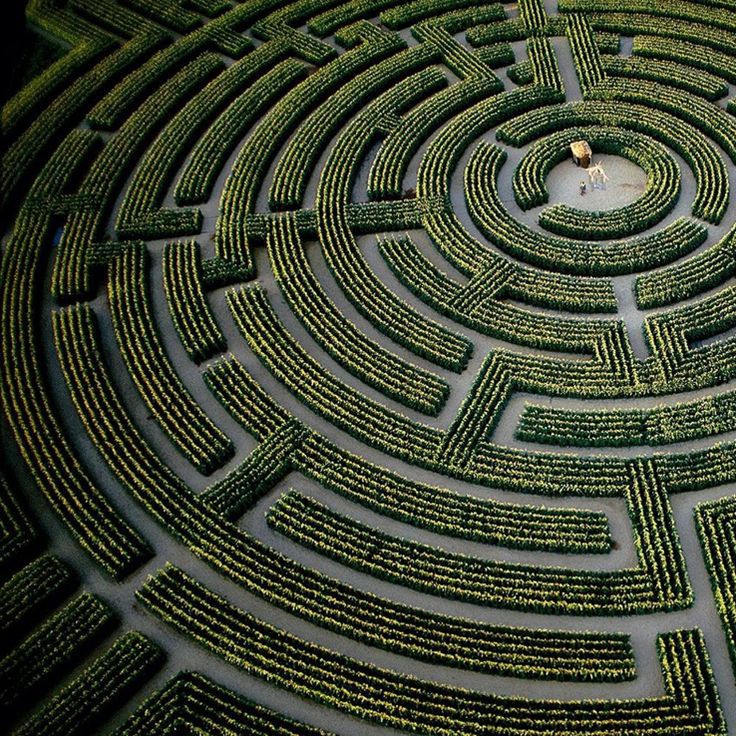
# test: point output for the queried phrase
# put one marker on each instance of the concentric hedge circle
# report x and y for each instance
(661, 194)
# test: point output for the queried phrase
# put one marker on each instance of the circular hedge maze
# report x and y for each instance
(323, 415)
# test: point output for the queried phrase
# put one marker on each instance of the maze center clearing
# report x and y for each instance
(626, 183)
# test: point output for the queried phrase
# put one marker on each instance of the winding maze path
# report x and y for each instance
(319, 416)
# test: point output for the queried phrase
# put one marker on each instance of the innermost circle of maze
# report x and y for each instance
(659, 198)
(321, 419)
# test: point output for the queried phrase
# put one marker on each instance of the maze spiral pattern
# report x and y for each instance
(319, 417)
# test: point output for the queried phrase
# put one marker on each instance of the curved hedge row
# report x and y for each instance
(196, 325)
(352, 476)
(658, 583)
(405, 702)
(659, 198)
(661, 425)
(98, 690)
(68, 487)
(168, 400)
(364, 358)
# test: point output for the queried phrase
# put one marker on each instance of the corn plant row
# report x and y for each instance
(455, 56)
(479, 412)
(245, 399)
(140, 214)
(53, 122)
(70, 491)
(511, 525)
(197, 703)
(60, 643)
(98, 691)
(505, 31)
(479, 302)
(105, 176)
(193, 433)
(716, 524)
(375, 301)
(20, 535)
(533, 14)
(718, 17)
(224, 33)
(673, 336)
(81, 38)
(564, 254)
(190, 311)
(296, 165)
(281, 581)
(240, 489)
(276, 27)
(159, 588)
(378, 217)
(521, 73)
(694, 81)
(210, 8)
(364, 358)
(429, 507)
(585, 53)
(32, 592)
(656, 584)
(390, 698)
(700, 469)
(388, 170)
(607, 42)
(117, 18)
(558, 291)
(634, 24)
(695, 275)
(710, 119)
(544, 65)
(217, 272)
(661, 425)
(176, 17)
(86, 52)
(406, 14)
(417, 443)
(459, 20)
(220, 34)
(689, 54)
(209, 153)
(341, 15)
(496, 55)
(550, 474)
